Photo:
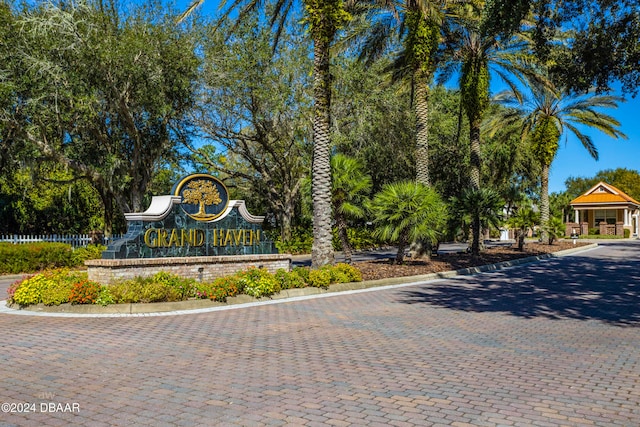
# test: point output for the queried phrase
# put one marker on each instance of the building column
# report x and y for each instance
(577, 212)
(626, 217)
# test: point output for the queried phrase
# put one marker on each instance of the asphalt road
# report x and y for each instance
(551, 343)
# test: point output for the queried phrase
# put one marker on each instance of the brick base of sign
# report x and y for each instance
(203, 269)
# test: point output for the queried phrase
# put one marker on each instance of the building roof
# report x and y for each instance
(605, 194)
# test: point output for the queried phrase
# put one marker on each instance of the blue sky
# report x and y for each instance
(572, 159)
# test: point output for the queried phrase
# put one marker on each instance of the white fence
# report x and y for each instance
(76, 241)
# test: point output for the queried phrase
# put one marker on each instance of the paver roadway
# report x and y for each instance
(552, 343)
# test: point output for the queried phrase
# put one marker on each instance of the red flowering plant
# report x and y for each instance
(84, 292)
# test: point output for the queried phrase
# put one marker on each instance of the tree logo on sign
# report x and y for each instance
(204, 198)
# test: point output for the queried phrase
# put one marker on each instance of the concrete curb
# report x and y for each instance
(195, 306)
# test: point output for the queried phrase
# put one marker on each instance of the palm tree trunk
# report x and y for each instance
(321, 250)
(475, 233)
(403, 241)
(421, 248)
(544, 201)
(421, 103)
(474, 133)
(344, 238)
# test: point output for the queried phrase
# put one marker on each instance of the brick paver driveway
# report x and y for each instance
(551, 343)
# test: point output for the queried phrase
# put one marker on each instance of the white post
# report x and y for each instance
(626, 216)
(577, 221)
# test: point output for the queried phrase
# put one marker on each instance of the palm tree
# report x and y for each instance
(407, 211)
(324, 18)
(483, 206)
(524, 219)
(421, 32)
(546, 115)
(476, 53)
(350, 185)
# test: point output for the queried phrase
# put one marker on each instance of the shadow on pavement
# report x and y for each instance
(604, 288)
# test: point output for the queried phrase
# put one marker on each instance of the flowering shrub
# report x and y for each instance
(104, 296)
(29, 291)
(84, 292)
(14, 286)
(61, 286)
(50, 287)
(258, 282)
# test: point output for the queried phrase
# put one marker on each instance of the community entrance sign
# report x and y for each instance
(197, 219)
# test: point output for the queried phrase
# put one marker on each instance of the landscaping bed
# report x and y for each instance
(384, 269)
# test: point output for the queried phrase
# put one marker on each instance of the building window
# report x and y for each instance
(608, 216)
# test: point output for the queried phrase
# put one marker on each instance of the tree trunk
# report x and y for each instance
(285, 222)
(402, 245)
(475, 233)
(476, 162)
(421, 103)
(321, 250)
(422, 248)
(544, 202)
(344, 237)
(521, 235)
(107, 202)
(475, 184)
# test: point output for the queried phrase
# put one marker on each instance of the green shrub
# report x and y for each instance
(320, 278)
(359, 239)
(80, 255)
(300, 242)
(32, 257)
(184, 287)
(303, 272)
(289, 279)
(84, 292)
(126, 291)
(627, 233)
(258, 282)
(594, 231)
(153, 291)
(345, 273)
(104, 296)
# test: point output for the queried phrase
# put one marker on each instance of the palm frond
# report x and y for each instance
(190, 9)
(586, 140)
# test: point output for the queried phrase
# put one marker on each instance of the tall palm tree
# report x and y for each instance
(421, 31)
(324, 18)
(546, 115)
(475, 53)
(350, 186)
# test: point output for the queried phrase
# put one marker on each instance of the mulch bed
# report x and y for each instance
(383, 269)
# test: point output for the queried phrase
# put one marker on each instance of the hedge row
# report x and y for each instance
(32, 257)
(60, 286)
